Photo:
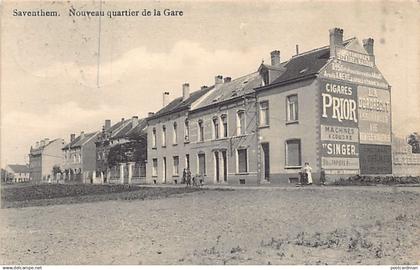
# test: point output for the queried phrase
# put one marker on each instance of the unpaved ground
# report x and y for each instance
(367, 225)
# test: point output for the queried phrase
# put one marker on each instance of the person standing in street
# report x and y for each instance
(308, 170)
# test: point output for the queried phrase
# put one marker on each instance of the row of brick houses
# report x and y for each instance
(329, 107)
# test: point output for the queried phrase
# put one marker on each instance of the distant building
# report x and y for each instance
(404, 161)
(80, 158)
(18, 173)
(43, 157)
(121, 152)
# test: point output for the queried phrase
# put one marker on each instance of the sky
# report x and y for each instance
(49, 65)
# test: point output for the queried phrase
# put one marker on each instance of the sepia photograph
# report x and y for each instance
(227, 132)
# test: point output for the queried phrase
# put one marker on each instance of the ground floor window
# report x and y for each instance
(201, 164)
(293, 153)
(154, 167)
(176, 165)
(242, 160)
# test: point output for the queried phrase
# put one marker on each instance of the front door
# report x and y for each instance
(217, 167)
(201, 164)
(266, 161)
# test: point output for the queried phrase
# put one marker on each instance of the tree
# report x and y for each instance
(413, 140)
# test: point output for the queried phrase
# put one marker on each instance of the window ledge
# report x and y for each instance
(264, 126)
(175, 175)
(186, 142)
(292, 122)
(293, 167)
(154, 147)
(154, 176)
(163, 146)
(242, 173)
(174, 144)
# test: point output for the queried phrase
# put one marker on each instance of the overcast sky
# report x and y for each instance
(49, 65)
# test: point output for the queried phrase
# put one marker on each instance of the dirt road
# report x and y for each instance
(370, 225)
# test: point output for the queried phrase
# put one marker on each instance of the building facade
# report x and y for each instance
(168, 137)
(332, 109)
(121, 152)
(18, 173)
(329, 107)
(43, 157)
(80, 158)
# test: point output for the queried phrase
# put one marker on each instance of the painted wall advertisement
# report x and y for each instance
(355, 117)
(339, 128)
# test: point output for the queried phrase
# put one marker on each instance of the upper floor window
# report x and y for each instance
(200, 130)
(264, 113)
(175, 134)
(163, 135)
(186, 131)
(240, 124)
(265, 78)
(293, 153)
(224, 125)
(154, 137)
(292, 108)
(216, 127)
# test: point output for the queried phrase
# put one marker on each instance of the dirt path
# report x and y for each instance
(277, 226)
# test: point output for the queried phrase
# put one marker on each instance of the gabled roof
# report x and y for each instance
(231, 90)
(17, 168)
(305, 65)
(131, 129)
(79, 141)
(179, 104)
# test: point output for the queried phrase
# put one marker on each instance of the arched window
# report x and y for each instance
(175, 134)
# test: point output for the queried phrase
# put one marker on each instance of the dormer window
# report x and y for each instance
(265, 78)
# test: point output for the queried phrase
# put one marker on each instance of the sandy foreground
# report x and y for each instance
(316, 225)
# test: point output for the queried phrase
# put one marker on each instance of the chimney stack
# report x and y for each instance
(135, 120)
(204, 87)
(42, 143)
(107, 124)
(336, 40)
(297, 49)
(82, 135)
(185, 91)
(218, 79)
(275, 58)
(46, 141)
(165, 96)
(72, 137)
(227, 79)
(368, 45)
(150, 114)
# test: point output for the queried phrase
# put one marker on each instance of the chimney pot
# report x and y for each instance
(72, 137)
(368, 45)
(165, 98)
(204, 87)
(336, 40)
(297, 49)
(275, 58)
(185, 91)
(227, 79)
(82, 134)
(135, 120)
(218, 79)
(150, 114)
(107, 124)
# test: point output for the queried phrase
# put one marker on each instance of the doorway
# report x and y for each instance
(164, 170)
(265, 147)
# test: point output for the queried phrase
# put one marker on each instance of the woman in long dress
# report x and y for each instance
(308, 170)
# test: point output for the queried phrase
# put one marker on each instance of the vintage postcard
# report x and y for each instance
(210, 133)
